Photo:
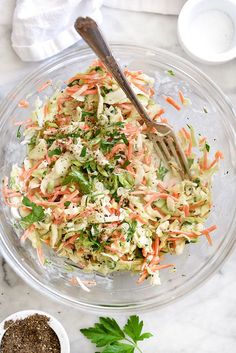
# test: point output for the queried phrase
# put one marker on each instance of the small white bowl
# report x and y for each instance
(53, 323)
(220, 18)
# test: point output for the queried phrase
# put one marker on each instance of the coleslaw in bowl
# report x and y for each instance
(104, 153)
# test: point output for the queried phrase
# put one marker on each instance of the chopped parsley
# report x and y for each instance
(55, 152)
(170, 72)
(18, 134)
(161, 172)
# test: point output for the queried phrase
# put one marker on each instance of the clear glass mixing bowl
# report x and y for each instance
(210, 113)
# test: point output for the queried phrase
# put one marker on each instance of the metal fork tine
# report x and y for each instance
(170, 142)
(182, 156)
(169, 149)
(160, 153)
(164, 148)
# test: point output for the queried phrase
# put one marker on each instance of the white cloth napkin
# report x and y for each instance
(43, 28)
(165, 7)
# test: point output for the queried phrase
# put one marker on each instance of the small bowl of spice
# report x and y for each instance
(33, 331)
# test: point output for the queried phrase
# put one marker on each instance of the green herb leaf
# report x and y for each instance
(18, 134)
(207, 147)
(133, 329)
(108, 334)
(171, 72)
(84, 114)
(118, 347)
(145, 336)
(112, 326)
(118, 123)
(190, 162)
(73, 83)
(205, 110)
(98, 68)
(36, 215)
(106, 146)
(78, 177)
(104, 333)
(55, 152)
(197, 181)
(26, 202)
(161, 172)
(83, 152)
(126, 163)
(67, 203)
(124, 138)
(105, 90)
(131, 230)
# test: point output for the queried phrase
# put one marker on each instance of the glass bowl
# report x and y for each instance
(210, 114)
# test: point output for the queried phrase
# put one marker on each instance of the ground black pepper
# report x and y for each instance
(30, 335)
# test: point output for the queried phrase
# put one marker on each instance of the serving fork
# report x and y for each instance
(164, 139)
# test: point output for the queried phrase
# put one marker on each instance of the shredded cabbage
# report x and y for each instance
(94, 190)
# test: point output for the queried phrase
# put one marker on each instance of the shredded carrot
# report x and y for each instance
(27, 233)
(174, 239)
(186, 133)
(208, 230)
(142, 277)
(137, 217)
(161, 267)
(188, 234)
(181, 97)
(23, 103)
(72, 239)
(218, 156)
(209, 239)
(172, 102)
(142, 88)
(130, 170)
(117, 148)
(202, 140)
(91, 76)
(86, 212)
(186, 210)
(144, 252)
(73, 89)
(28, 173)
(18, 123)
(151, 92)
(164, 120)
(189, 150)
(45, 110)
(89, 91)
(197, 204)
(69, 197)
(44, 86)
(130, 150)
(147, 159)
(156, 246)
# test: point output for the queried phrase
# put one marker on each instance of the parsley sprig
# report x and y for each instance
(36, 215)
(109, 335)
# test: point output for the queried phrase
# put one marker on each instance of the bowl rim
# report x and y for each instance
(150, 304)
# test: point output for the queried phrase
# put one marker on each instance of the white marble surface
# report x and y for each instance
(204, 321)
